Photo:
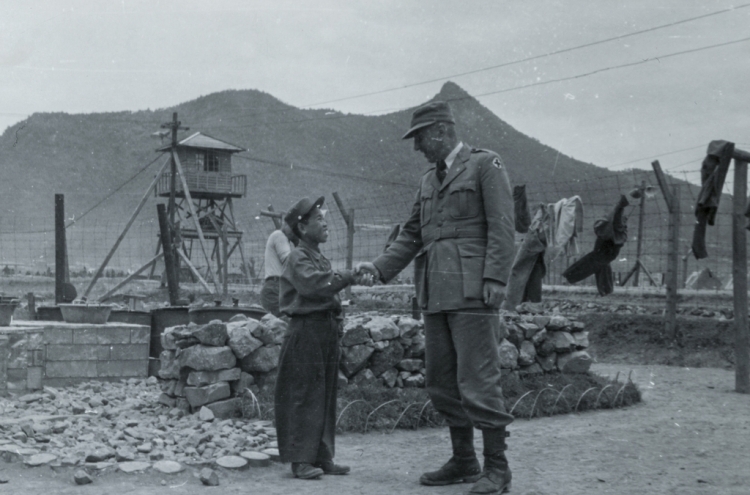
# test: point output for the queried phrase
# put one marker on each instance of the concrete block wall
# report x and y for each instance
(57, 353)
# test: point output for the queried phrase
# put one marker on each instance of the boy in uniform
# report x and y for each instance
(305, 399)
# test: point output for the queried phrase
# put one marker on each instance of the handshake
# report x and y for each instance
(366, 274)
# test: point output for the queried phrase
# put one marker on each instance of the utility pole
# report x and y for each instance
(639, 246)
(174, 126)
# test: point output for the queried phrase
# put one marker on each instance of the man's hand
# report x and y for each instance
(494, 293)
(366, 273)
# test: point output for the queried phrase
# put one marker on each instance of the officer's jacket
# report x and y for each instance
(459, 233)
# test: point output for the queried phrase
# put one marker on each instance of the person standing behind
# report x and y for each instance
(460, 235)
(305, 396)
(278, 247)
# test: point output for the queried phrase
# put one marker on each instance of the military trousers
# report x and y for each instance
(306, 387)
(463, 367)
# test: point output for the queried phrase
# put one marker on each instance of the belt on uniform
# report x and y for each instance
(273, 277)
(319, 315)
(432, 235)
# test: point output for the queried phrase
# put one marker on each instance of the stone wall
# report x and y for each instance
(211, 365)
(37, 353)
(208, 367)
(390, 349)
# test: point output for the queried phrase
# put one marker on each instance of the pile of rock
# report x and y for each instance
(390, 349)
(208, 367)
(120, 425)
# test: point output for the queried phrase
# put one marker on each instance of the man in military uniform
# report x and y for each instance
(460, 235)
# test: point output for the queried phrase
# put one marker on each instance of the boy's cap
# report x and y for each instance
(428, 114)
(300, 209)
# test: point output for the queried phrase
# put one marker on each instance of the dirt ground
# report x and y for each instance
(690, 435)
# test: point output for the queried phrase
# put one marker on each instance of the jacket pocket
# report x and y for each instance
(426, 205)
(472, 269)
(463, 200)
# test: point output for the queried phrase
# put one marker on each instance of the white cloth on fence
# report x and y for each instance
(565, 222)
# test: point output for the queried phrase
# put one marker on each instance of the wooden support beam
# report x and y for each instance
(130, 277)
(348, 215)
(170, 263)
(661, 179)
(196, 220)
(195, 271)
(739, 276)
(673, 255)
(125, 230)
(60, 249)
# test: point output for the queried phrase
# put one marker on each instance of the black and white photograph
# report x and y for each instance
(374, 247)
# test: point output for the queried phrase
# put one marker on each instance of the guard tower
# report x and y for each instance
(207, 166)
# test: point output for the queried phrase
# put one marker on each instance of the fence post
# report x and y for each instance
(639, 246)
(169, 254)
(349, 219)
(673, 256)
(739, 277)
(60, 248)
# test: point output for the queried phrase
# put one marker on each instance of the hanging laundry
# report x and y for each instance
(611, 233)
(521, 208)
(525, 282)
(566, 222)
(713, 172)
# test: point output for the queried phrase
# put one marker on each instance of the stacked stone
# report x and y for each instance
(208, 367)
(387, 350)
(381, 349)
(538, 343)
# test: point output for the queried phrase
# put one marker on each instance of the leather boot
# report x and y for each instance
(496, 475)
(463, 467)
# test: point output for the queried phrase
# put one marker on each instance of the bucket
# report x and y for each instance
(201, 316)
(132, 317)
(94, 314)
(6, 312)
(49, 313)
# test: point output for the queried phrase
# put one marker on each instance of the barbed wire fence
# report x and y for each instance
(27, 244)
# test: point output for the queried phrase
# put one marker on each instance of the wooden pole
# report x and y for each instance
(59, 247)
(673, 263)
(349, 219)
(196, 220)
(277, 219)
(739, 275)
(125, 230)
(173, 171)
(225, 259)
(130, 277)
(195, 271)
(167, 246)
(641, 212)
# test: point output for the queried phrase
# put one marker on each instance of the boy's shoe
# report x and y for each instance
(306, 471)
(329, 467)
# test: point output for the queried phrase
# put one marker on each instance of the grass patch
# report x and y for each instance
(375, 408)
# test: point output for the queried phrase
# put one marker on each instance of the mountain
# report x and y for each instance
(291, 153)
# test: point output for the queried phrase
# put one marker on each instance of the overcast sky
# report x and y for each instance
(81, 56)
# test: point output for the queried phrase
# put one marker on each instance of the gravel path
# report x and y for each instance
(689, 436)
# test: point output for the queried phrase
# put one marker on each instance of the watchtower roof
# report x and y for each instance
(204, 141)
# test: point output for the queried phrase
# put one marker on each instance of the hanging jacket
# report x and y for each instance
(521, 208)
(525, 282)
(566, 221)
(713, 172)
(611, 233)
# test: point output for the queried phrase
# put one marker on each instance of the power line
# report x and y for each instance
(613, 67)
(535, 57)
(117, 189)
(659, 155)
(515, 88)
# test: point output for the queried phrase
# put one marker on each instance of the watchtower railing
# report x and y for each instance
(206, 182)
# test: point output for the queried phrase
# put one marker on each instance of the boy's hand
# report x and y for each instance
(366, 273)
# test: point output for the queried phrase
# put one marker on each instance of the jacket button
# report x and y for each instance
(440, 195)
(440, 223)
(424, 306)
(440, 210)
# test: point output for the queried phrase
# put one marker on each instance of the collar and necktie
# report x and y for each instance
(442, 170)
